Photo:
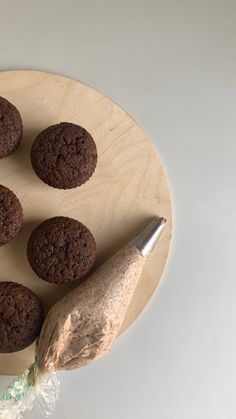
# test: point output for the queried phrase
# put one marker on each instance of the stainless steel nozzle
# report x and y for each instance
(148, 238)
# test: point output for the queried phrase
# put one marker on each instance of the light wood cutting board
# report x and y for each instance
(128, 188)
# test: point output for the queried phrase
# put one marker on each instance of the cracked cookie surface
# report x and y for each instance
(61, 250)
(21, 317)
(64, 155)
(11, 128)
(11, 215)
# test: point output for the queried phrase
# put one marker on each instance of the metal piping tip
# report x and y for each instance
(148, 238)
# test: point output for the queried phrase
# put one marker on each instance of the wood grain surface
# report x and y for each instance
(128, 188)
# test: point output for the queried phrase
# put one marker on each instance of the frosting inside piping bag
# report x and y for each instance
(82, 326)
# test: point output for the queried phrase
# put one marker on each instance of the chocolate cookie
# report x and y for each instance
(11, 128)
(64, 155)
(11, 215)
(61, 250)
(21, 317)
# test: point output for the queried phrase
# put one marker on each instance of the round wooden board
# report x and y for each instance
(128, 188)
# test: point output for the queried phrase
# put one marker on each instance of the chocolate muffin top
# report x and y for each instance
(64, 155)
(21, 317)
(61, 250)
(11, 128)
(11, 215)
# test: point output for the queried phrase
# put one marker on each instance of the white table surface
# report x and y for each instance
(172, 65)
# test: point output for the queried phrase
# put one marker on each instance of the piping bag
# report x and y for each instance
(81, 327)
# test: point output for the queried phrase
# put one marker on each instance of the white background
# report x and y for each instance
(172, 65)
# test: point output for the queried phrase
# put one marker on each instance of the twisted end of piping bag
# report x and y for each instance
(24, 394)
(148, 238)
